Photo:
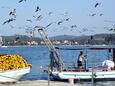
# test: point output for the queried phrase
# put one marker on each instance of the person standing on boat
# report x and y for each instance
(81, 59)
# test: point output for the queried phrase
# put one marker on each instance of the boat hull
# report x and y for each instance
(84, 75)
(13, 75)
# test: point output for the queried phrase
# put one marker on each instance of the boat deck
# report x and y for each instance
(89, 69)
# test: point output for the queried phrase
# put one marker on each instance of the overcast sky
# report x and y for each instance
(83, 17)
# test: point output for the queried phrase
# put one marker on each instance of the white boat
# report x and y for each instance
(13, 75)
(58, 71)
(97, 72)
(105, 75)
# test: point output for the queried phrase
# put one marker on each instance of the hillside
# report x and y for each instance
(95, 39)
(18, 40)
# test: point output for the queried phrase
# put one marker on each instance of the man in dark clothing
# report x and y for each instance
(81, 59)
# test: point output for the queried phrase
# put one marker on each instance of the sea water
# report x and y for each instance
(38, 56)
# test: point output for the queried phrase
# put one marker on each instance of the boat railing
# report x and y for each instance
(72, 66)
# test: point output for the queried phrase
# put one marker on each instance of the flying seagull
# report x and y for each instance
(40, 27)
(37, 9)
(111, 29)
(74, 26)
(50, 24)
(13, 13)
(39, 18)
(92, 14)
(9, 20)
(100, 14)
(11, 26)
(49, 13)
(97, 4)
(29, 20)
(67, 19)
(85, 29)
(60, 22)
(21, 1)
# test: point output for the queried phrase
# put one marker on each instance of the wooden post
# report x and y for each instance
(79, 81)
(92, 79)
(114, 55)
(71, 81)
(48, 75)
(93, 75)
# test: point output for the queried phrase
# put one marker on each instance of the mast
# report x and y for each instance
(55, 58)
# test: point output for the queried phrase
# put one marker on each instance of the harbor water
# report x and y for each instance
(38, 56)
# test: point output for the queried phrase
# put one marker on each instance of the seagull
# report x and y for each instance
(100, 14)
(9, 20)
(65, 14)
(93, 14)
(40, 27)
(29, 20)
(13, 13)
(112, 29)
(34, 16)
(21, 1)
(36, 27)
(60, 22)
(39, 17)
(85, 29)
(5, 7)
(109, 29)
(97, 4)
(50, 24)
(67, 19)
(11, 26)
(37, 9)
(49, 13)
(74, 26)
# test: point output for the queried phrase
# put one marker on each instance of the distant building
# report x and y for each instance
(1, 41)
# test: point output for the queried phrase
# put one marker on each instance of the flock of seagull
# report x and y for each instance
(13, 15)
(95, 6)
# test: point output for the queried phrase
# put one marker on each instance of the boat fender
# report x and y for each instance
(108, 63)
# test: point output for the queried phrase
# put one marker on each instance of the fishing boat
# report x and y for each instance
(58, 70)
(97, 72)
(13, 75)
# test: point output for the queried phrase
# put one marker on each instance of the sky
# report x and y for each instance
(79, 13)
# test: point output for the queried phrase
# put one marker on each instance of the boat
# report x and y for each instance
(97, 72)
(13, 75)
(57, 69)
